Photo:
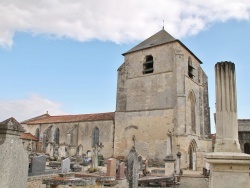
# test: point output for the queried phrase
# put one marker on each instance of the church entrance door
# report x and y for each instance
(192, 155)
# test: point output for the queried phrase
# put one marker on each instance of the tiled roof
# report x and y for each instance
(35, 118)
(73, 118)
(28, 136)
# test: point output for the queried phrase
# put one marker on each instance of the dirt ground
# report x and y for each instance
(192, 182)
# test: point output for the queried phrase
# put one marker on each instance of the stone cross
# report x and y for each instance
(133, 138)
(95, 157)
(133, 168)
(226, 108)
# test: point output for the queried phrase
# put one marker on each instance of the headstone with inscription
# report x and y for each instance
(65, 165)
(38, 164)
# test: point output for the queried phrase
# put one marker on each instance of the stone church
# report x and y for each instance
(162, 108)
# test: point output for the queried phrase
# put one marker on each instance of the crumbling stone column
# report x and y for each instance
(13, 157)
(226, 108)
(229, 168)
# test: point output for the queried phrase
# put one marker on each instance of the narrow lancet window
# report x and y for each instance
(57, 136)
(95, 136)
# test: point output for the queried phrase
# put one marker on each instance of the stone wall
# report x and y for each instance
(81, 134)
(150, 129)
(106, 130)
(36, 181)
(244, 132)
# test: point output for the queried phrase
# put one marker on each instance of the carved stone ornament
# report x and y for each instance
(11, 126)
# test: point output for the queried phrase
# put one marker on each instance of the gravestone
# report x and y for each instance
(95, 157)
(178, 164)
(39, 147)
(111, 167)
(13, 156)
(38, 164)
(65, 165)
(62, 151)
(80, 150)
(120, 172)
(52, 147)
(133, 168)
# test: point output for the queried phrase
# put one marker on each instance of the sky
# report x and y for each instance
(62, 56)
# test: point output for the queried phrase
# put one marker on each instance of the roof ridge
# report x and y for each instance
(82, 114)
(159, 38)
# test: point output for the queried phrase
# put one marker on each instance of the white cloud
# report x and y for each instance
(117, 21)
(27, 108)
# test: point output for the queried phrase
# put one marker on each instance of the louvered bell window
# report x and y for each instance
(148, 66)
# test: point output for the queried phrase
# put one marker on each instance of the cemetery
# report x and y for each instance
(157, 143)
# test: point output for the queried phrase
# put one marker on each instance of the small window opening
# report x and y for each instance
(38, 133)
(148, 66)
(95, 136)
(57, 136)
(190, 68)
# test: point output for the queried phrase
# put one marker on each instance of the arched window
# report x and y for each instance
(148, 66)
(192, 115)
(247, 148)
(57, 136)
(37, 133)
(95, 136)
(190, 68)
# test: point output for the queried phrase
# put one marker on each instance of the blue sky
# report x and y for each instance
(63, 57)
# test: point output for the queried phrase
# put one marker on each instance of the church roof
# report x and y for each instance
(28, 136)
(73, 118)
(159, 38)
(35, 118)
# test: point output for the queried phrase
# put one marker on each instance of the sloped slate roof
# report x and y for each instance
(161, 37)
(28, 136)
(73, 118)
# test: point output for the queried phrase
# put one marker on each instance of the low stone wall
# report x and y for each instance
(36, 181)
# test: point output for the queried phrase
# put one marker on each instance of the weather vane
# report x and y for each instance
(163, 25)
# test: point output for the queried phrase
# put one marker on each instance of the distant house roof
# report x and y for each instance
(161, 37)
(28, 136)
(244, 125)
(72, 118)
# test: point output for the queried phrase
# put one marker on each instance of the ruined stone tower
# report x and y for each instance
(162, 90)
